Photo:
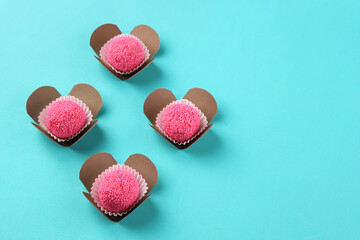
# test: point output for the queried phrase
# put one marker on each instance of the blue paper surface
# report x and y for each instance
(280, 162)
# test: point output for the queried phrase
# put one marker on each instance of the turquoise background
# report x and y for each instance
(281, 161)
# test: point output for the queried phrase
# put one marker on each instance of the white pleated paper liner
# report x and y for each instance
(44, 112)
(104, 49)
(203, 120)
(139, 179)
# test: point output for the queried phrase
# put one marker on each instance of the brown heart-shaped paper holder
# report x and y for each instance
(161, 97)
(42, 96)
(99, 162)
(107, 31)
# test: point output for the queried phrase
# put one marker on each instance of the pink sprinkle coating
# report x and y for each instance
(180, 122)
(118, 191)
(125, 53)
(65, 119)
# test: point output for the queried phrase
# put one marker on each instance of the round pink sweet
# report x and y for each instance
(125, 53)
(118, 191)
(65, 119)
(180, 122)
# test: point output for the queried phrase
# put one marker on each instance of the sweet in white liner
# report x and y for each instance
(104, 49)
(139, 179)
(44, 112)
(203, 120)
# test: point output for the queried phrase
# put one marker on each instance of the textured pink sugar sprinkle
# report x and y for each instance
(65, 119)
(180, 122)
(125, 53)
(118, 191)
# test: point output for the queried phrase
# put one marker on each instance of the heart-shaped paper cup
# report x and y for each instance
(43, 115)
(99, 162)
(96, 184)
(105, 32)
(43, 96)
(203, 120)
(104, 49)
(160, 98)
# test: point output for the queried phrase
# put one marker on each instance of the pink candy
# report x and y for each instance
(180, 122)
(65, 119)
(118, 191)
(125, 53)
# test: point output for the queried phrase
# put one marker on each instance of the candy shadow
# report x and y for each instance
(150, 75)
(146, 215)
(159, 187)
(93, 140)
(208, 144)
(103, 111)
(218, 117)
(160, 52)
